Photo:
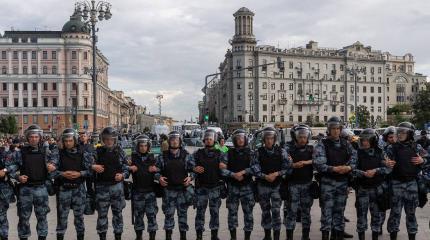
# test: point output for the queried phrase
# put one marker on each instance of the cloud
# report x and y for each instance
(169, 46)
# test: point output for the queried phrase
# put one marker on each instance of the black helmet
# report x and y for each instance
(371, 135)
(33, 129)
(407, 127)
(269, 131)
(237, 133)
(109, 132)
(334, 121)
(210, 133)
(142, 139)
(294, 128)
(220, 136)
(388, 131)
(423, 133)
(301, 129)
(69, 132)
(175, 134)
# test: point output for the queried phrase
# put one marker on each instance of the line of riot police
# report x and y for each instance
(395, 176)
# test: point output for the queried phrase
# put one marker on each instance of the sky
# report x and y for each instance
(168, 46)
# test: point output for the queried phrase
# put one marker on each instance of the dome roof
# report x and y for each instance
(243, 11)
(75, 25)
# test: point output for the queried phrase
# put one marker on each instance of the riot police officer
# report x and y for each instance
(110, 169)
(334, 159)
(31, 167)
(175, 175)
(407, 159)
(299, 181)
(143, 197)
(236, 168)
(6, 192)
(73, 166)
(270, 164)
(206, 163)
(370, 173)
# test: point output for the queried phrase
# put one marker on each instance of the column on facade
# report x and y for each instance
(79, 61)
(68, 91)
(39, 94)
(19, 62)
(79, 95)
(9, 61)
(60, 94)
(39, 65)
(58, 62)
(20, 97)
(29, 95)
(10, 88)
(29, 62)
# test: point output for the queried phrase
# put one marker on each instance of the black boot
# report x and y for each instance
(117, 236)
(299, 216)
(80, 236)
(199, 235)
(276, 234)
(305, 234)
(325, 235)
(4, 238)
(375, 235)
(247, 235)
(289, 234)
(41, 238)
(411, 236)
(23, 238)
(183, 235)
(59, 237)
(346, 235)
(102, 236)
(333, 235)
(152, 235)
(341, 235)
(233, 234)
(361, 236)
(214, 234)
(267, 234)
(168, 234)
(139, 234)
(393, 236)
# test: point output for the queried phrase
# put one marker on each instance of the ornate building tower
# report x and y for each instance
(243, 39)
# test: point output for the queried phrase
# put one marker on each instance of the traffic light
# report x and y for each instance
(206, 118)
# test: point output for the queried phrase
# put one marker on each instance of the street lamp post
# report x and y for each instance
(96, 12)
(355, 71)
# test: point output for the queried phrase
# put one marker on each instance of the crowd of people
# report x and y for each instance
(394, 175)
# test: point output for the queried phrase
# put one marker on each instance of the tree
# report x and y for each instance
(421, 107)
(8, 125)
(399, 108)
(363, 117)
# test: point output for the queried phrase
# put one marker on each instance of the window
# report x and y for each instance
(35, 119)
(364, 89)
(333, 108)
(86, 86)
(54, 102)
(86, 102)
(372, 89)
(45, 86)
(24, 70)
(15, 70)
(85, 55)
(264, 118)
(15, 86)
(73, 54)
(25, 119)
(33, 70)
(54, 69)
(379, 89)
(299, 118)
(34, 86)
(239, 97)
(15, 102)
(45, 102)
(74, 70)
(24, 55)
(250, 86)
(264, 107)
(4, 102)
(74, 86)
(273, 108)
(45, 55)
(54, 55)
(3, 55)
(290, 86)
(45, 70)
(3, 70)
(282, 86)
(273, 118)
(333, 88)
(299, 108)
(34, 102)
(24, 86)
(25, 102)
(15, 55)
(4, 86)
(45, 119)
(379, 99)
(291, 65)
(379, 109)
(33, 55)
(238, 85)
(372, 99)
(54, 86)
(264, 85)
(372, 108)
(272, 86)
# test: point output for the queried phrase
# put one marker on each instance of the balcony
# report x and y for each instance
(308, 102)
(334, 103)
(282, 101)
